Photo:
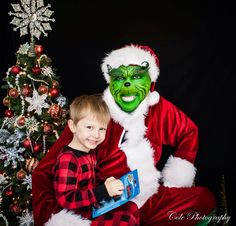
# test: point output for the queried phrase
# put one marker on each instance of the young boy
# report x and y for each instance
(75, 179)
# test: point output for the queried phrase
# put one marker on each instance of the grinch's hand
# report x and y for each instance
(114, 186)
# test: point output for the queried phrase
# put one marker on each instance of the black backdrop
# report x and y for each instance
(195, 44)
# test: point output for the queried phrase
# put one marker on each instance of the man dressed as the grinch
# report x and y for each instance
(142, 122)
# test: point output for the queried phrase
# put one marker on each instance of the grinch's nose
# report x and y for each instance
(127, 84)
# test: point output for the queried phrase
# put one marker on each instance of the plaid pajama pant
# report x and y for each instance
(125, 215)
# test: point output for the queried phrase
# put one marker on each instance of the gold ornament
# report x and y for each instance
(20, 175)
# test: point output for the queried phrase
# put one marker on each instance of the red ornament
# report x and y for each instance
(31, 164)
(15, 69)
(20, 175)
(36, 70)
(26, 143)
(53, 92)
(43, 89)
(37, 148)
(47, 128)
(26, 90)
(6, 101)
(15, 208)
(9, 192)
(21, 121)
(9, 113)
(13, 93)
(38, 49)
(55, 111)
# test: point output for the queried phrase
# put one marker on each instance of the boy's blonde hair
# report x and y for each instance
(89, 104)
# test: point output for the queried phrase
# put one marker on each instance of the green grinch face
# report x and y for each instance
(129, 85)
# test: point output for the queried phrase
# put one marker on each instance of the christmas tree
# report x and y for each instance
(35, 114)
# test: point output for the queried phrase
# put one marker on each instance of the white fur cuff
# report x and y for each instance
(178, 173)
(67, 218)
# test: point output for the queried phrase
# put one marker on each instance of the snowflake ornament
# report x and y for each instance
(4, 134)
(31, 124)
(47, 71)
(11, 156)
(3, 180)
(61, 100)
(32, 14)
(28, 181)
(26, 219)
(24, 49)
(37, 102)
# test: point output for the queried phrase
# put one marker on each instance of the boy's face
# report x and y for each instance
(88, 132)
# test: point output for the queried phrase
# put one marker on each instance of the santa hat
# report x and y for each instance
(132, 55)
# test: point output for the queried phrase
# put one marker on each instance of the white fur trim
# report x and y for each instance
(137, 148)
(124, 118)
(67, 218)
(130, 55)
(178, 173)
(140, 156)
(153, 98)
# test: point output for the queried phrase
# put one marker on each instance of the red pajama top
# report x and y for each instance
(75, 179)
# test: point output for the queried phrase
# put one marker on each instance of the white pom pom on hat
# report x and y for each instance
(131, 55)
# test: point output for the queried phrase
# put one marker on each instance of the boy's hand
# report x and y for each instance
(114, 186)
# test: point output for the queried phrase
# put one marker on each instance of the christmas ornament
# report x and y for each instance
(55, 83)
(21, 121)
(32, 16)
(61, 100)
(13, 93)
(15, 69)
(37, 148)
(26, 90)
(55, 111)
(31, 124)
(20, 175)
(47, 129)
(9, 192)
(24, 49)
(38, 49)
(27, 143)
(43, 89)
(37, 102)
(31, 164)
(36, 70)
(9, 113)
(47, 71)
(6, 101)
(26, 219)
(15, 208)
(53, 92)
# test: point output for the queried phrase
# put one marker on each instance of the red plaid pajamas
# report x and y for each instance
(75, 180)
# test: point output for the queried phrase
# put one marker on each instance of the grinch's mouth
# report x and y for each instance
(128, 99)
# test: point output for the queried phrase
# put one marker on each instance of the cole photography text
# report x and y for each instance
(198, 216)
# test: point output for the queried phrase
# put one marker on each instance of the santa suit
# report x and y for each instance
(134, 141)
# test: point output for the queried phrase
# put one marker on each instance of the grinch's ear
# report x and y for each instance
(71, 125)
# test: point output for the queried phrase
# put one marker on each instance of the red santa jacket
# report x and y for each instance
(158, 123)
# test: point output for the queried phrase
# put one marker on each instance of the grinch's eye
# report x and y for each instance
(119, 78)
(136, 77)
